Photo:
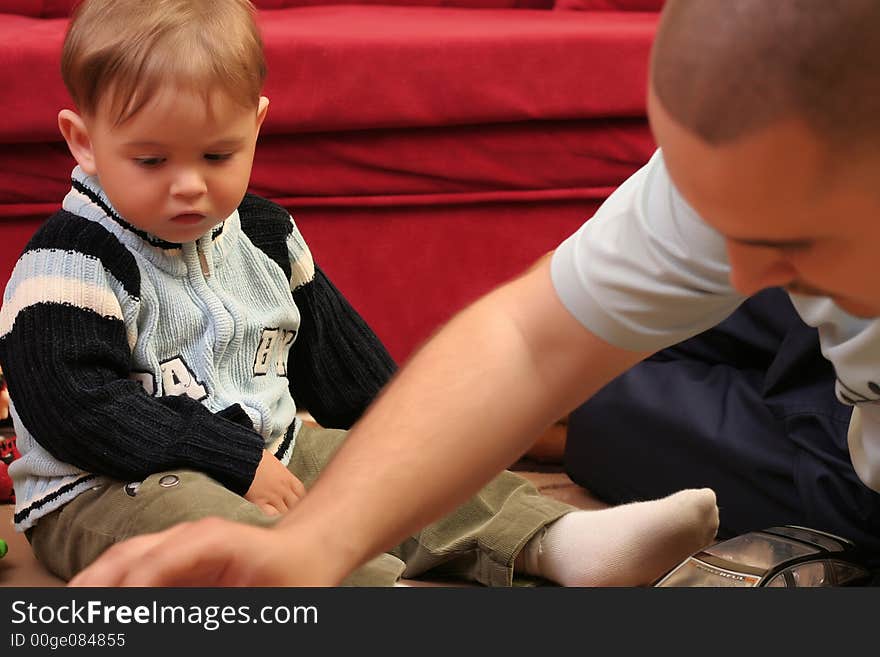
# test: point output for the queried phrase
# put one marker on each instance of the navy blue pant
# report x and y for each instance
(746, 408)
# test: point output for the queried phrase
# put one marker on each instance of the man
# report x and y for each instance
(768, 119)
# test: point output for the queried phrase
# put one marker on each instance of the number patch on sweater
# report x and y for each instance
(272, 352)
(178, 380)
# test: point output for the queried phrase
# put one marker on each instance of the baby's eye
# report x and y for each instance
(217, 157)
(149, 162)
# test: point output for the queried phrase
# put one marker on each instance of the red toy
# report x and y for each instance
(8, 453)
(8, 450)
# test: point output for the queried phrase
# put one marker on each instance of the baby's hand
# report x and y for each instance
(274, 488)
(4, 398)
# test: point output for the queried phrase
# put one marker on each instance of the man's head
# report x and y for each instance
(768, 114)
(168, 105)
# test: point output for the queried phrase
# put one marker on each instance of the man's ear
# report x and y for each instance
(262, 109)
(75, 133)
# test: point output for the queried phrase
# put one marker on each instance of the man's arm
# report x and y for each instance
(466, 406)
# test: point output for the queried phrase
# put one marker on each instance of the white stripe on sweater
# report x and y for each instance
(302, 268)
(58, 289)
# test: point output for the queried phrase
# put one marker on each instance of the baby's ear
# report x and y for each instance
(262, 109)
(76, 134)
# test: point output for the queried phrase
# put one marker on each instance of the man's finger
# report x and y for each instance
(183, 555)
(291, 499)
(299, 487)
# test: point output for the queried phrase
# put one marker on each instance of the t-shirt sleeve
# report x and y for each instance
(864, 444)
(645, 271)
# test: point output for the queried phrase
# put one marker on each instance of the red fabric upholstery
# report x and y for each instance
(611, 5)
(428, 153)
(382, 168)
(63, 8)
(357, 67)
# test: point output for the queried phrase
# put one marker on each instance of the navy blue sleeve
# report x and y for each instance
(339, 365)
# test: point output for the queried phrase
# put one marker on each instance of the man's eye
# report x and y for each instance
(149, 161)
(217, 157)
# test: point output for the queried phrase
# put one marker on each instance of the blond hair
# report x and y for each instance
(131, 49)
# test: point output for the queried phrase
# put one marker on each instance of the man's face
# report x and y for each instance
(179, 166)
(789, 215)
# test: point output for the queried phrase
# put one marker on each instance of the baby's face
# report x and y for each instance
(181, 165)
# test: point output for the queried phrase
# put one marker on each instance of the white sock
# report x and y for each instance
(627, 545)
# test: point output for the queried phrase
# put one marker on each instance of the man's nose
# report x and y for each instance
(754, 268)
(188, 183)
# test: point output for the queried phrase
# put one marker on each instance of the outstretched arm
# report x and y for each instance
(466, 406)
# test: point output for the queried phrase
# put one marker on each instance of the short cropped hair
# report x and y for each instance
(131, 49)
(727, 68)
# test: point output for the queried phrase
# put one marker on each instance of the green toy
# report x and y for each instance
(3, 548)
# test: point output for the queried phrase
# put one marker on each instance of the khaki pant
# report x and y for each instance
(478, 541)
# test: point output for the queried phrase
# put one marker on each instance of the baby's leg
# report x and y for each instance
(509, 521)
(69, 539)
(627, 545)
(477, 542)
(508, 527)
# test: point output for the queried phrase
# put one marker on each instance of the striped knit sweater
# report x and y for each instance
(126, 355)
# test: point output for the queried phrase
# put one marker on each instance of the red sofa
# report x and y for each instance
(427, 152)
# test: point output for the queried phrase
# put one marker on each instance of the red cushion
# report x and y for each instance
(571, 159)
(464, 4)
(39, 8)
(611, 5)
(22, 7)
(452, 165)
(63, 8)
(341, 68)
(31, 89)
(354, 67)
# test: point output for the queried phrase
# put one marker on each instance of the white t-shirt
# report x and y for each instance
(646, 272)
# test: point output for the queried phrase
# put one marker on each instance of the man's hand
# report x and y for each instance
(209, 552)
(274, 488)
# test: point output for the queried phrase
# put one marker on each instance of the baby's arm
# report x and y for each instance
(336, 365)
(275, 489)
(66, 356)
(4, 398)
